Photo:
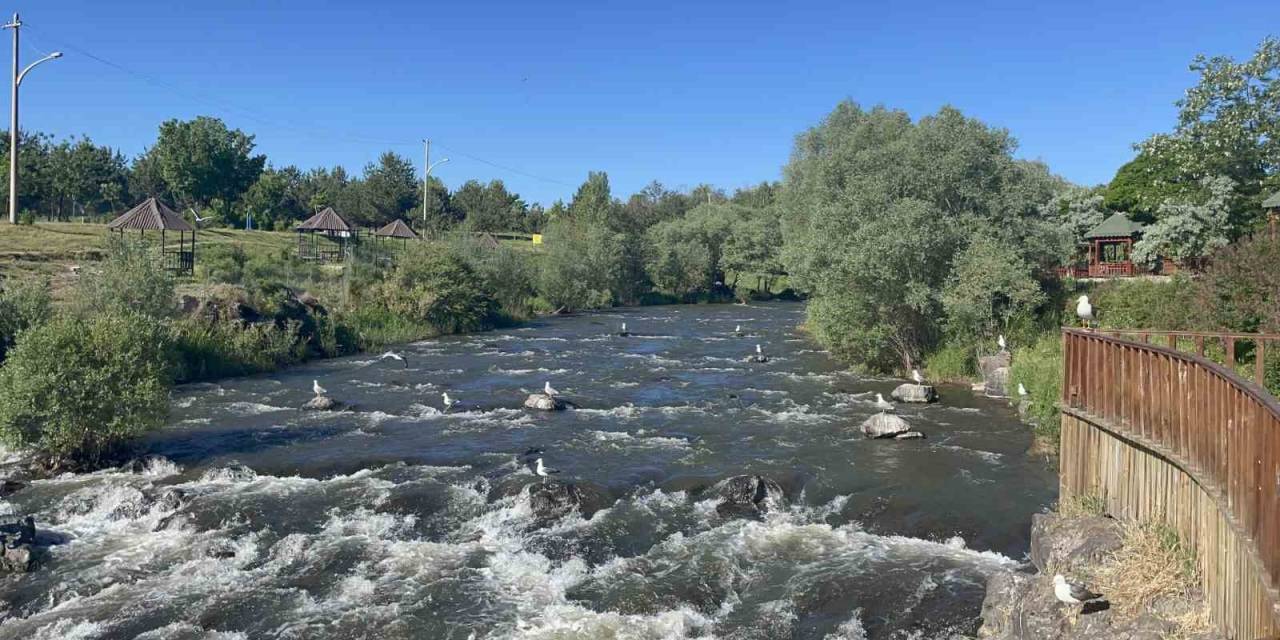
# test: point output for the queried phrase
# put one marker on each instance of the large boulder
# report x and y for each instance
(884, 425)
(544, 402)
(554, 499)
(749, 495)
(321, 403)
(1065, 545)
(995, 374)
(915, 393)
(18, 546)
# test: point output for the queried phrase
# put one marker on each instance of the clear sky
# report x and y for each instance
(683, 92)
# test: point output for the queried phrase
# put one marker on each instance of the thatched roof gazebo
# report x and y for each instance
(336, 232)
(153, 215)
(396, 229)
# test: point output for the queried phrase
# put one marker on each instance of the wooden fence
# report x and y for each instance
(1168, 436)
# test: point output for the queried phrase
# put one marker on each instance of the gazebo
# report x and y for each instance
(152, 215)
(336, 232)
(396, 229)
(1272, 207)
(1111, 245)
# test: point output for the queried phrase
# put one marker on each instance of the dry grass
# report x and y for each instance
(1153, 570)
(1083, 506)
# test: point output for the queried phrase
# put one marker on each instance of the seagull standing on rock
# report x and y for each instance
(882, 404)
(315, 386)
(915, 375)
(1000, 341)
(448, 402)
(547, 389)
(1072, 593)
(544, 472)
(1084, 310)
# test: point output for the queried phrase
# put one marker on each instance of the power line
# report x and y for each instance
(226, 106)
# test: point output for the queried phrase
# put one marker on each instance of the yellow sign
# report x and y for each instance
(537, 238)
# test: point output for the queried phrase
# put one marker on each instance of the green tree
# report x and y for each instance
(23, 304)
(77, 388)
(390, 187)
(1189, 231)
(989, 284)
(203, 163)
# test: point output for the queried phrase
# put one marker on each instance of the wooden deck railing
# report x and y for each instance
(1226, 347)
(1168, 435)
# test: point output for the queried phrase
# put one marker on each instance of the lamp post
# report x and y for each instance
(426, 159)
(13, 116)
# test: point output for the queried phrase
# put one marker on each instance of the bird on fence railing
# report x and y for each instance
(1085, 311)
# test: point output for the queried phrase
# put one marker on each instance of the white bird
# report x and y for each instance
(882, 404)
(1022, 391)
(915, 375)
(394, 356)
(1000, 341)
(1070, 593)
(1084, 310)
(759, 351)
(196, 215)
(448, 402)
(548, 389)
(737, 328)
(543, 472)
(624, 333)
(315, 386)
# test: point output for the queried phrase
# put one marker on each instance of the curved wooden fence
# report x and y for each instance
(1163, 435)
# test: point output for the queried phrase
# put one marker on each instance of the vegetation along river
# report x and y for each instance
(393, 520)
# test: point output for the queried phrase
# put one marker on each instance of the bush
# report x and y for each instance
(23, 305)
(209, 349)
(1145, 304)
(438, 288)
(75, 389)
(954, 361)
(510, 274)
(129, 280)
(582, 266)
(1039, 369)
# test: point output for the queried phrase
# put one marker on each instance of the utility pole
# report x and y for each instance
(426, 175)
(13, 116)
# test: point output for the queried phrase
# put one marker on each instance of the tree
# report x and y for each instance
(988, 285)
(1142, 184)
(490, 207)
(754, 247)
(390, 187)
(1189, 231)
(203, 163)
(875, 209)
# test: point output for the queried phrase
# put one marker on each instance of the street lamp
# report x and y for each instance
(13, 116)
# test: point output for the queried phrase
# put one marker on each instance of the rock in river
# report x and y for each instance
(554, 499)
(749, 495)
(884, 425)
(544, 402)
(18, 546)
(321, 403)
(915, 393)
(995, 374)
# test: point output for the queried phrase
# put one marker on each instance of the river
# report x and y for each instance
(394, 520)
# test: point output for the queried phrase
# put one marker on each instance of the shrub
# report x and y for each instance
(582, 266)
(440, 289)
(954, 361)
(1039, 369)
(129, 280)
(510, 274)
(209, 349)
(75, 389)
(23, 304)
(1145, 304)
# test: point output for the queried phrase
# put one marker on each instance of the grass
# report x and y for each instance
(1151, 566)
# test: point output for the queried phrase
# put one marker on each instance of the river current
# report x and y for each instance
(395, 520)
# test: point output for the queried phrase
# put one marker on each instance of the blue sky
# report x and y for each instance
(683, 92)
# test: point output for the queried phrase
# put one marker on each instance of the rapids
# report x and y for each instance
(395, 520)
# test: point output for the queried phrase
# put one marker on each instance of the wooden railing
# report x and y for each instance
(1171, 436)
(1226, 347)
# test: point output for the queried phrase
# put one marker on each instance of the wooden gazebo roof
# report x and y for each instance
(151, 214)
(1273, 202)
(326, 220)
(1117, 226)
(396, 229)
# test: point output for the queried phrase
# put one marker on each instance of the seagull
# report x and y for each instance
(624, 333)
(737, 330)
(1022, 391)
(882, 404)
(548, 389)
(543, 472)
(448, 402)
(394, 356)
(315, 386)
(759, 351)
(1070, 593)
(915, 375)
(1084, 310)
(1000, 341)
(197, 216)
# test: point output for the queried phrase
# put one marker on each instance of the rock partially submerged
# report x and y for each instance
(544, 402)
(915, 393)
(321, 403)
(909, 435)
(995, 374)
(884, 425)
(554, 499)
(749, 495)
(18, 546)
(758, 358)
